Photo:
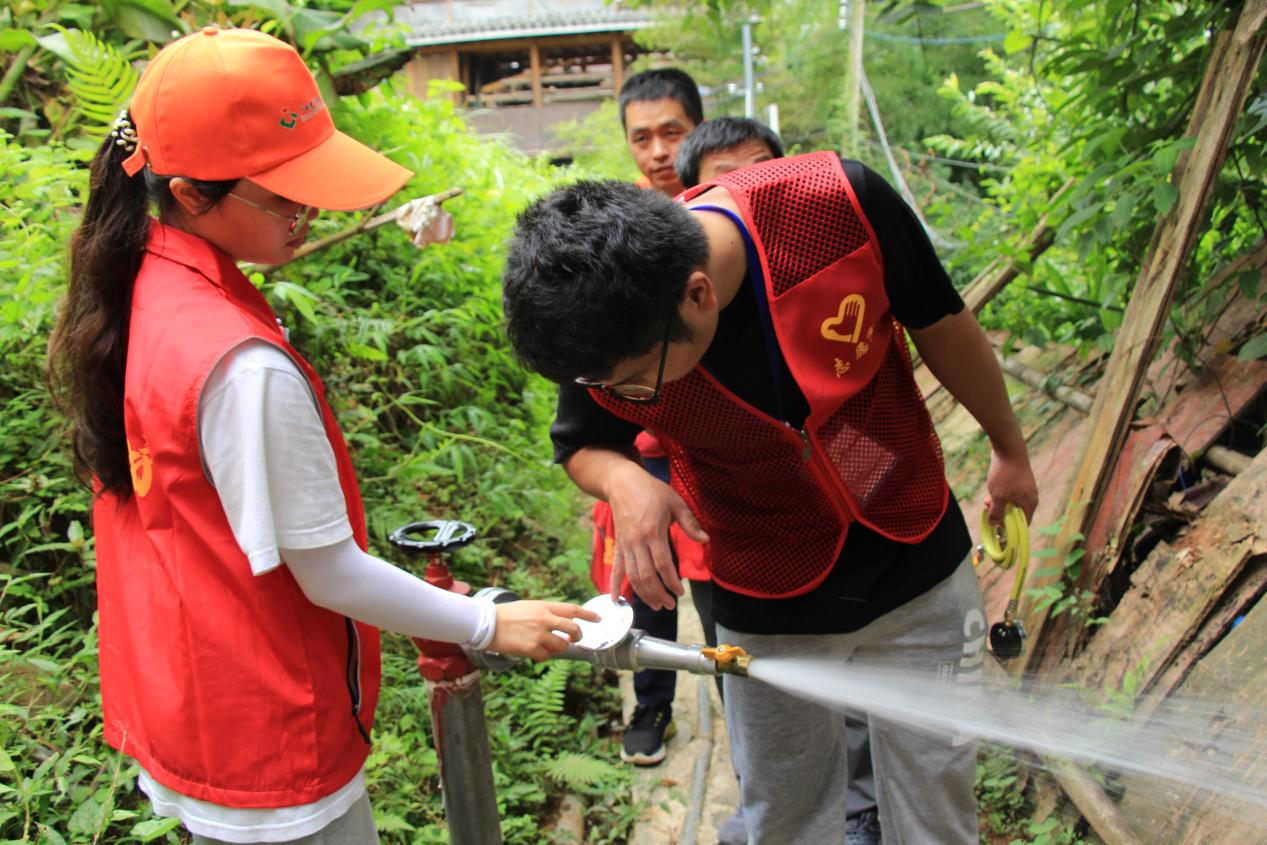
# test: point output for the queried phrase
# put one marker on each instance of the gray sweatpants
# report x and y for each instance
(355, 827)
(792, 754)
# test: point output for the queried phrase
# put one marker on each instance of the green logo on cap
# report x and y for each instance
(290, 119)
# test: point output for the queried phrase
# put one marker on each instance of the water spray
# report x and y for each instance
(1007, 545)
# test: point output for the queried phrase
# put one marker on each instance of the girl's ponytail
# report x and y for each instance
(89, 346)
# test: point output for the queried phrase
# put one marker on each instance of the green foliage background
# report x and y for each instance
(442, 423)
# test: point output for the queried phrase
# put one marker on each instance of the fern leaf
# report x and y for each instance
(575, 771)
(99, 77)
(545, 700)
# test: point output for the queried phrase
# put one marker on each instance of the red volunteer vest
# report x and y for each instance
(777, 502)
(226, 686)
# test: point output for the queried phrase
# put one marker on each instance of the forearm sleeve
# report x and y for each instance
(344, 579)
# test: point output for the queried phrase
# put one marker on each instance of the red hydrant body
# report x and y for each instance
(441, 661)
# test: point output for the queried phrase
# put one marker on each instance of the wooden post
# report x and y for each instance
(1229, 73)
(534, 60)
(455, 73)
(618, 63)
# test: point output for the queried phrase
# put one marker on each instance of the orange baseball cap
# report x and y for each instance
(236, 103)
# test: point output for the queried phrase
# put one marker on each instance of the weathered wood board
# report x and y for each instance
(1176, 588)
(1234, 674)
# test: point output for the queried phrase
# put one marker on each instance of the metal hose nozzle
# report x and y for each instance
(639, 651)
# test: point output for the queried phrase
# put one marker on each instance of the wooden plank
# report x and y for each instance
(1169, 373)
(1147, 454)
(1233, 674)
(1096, 806)
(1237, 601)
(1176, 588)
(1234, 61)
(1207, 407)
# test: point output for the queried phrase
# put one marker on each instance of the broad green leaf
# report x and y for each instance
(1165, 195)
(12, 40)
(150, 20)
(279, 10)
(1016, 41)
(87, 817)
(56, 44)
(1254, 348)
(366, 353)
(151, 829)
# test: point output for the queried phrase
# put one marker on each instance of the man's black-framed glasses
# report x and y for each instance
(632, 391)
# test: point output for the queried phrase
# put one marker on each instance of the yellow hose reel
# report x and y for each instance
(1007, 545)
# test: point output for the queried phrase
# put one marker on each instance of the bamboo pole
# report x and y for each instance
(853, 76)
(1075, 399)
(1229, 74)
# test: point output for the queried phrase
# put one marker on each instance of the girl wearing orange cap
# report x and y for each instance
(238, 608)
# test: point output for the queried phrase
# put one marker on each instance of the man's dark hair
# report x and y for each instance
(718, 134)
(594, 276)
(665, 83)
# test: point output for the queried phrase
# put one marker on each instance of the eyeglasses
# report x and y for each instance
(296, 219)
(633, 392)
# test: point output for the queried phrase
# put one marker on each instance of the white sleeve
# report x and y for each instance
(349, 581)
(266, 452)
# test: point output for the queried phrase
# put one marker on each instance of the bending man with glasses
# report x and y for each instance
(759, 325)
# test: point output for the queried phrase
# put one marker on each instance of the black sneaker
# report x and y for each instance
(646, 733)
(863, 828)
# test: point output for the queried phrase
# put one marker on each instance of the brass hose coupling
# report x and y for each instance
(730, 659)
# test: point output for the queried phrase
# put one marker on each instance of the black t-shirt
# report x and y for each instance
(873, 574)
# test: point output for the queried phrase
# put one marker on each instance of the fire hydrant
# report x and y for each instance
(453, 692)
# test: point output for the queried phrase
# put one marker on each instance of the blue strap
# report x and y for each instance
(757, 278)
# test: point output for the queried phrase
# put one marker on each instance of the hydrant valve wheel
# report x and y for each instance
(433, 535)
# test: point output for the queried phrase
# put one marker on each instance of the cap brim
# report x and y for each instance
(339, 174)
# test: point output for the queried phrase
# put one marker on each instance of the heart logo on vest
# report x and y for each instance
(852, 307)
(141, 466)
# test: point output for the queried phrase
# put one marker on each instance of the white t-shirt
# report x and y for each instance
(265, 450)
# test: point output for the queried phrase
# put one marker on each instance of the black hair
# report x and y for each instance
(718, 134)
(665, 83)
(595, 273)
(88, 350)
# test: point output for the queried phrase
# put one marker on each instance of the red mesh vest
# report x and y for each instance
(777, 502)
(226, 686)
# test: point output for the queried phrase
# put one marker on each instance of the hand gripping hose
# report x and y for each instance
(1007, 545)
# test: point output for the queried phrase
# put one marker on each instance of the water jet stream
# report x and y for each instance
(1059, 723)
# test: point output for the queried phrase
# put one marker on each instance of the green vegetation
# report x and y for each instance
(1006, 814)
(442, 423)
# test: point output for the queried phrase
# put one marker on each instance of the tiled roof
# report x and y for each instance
(432, 24)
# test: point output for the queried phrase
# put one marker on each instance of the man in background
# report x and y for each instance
(722, 145)
(658, 110)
